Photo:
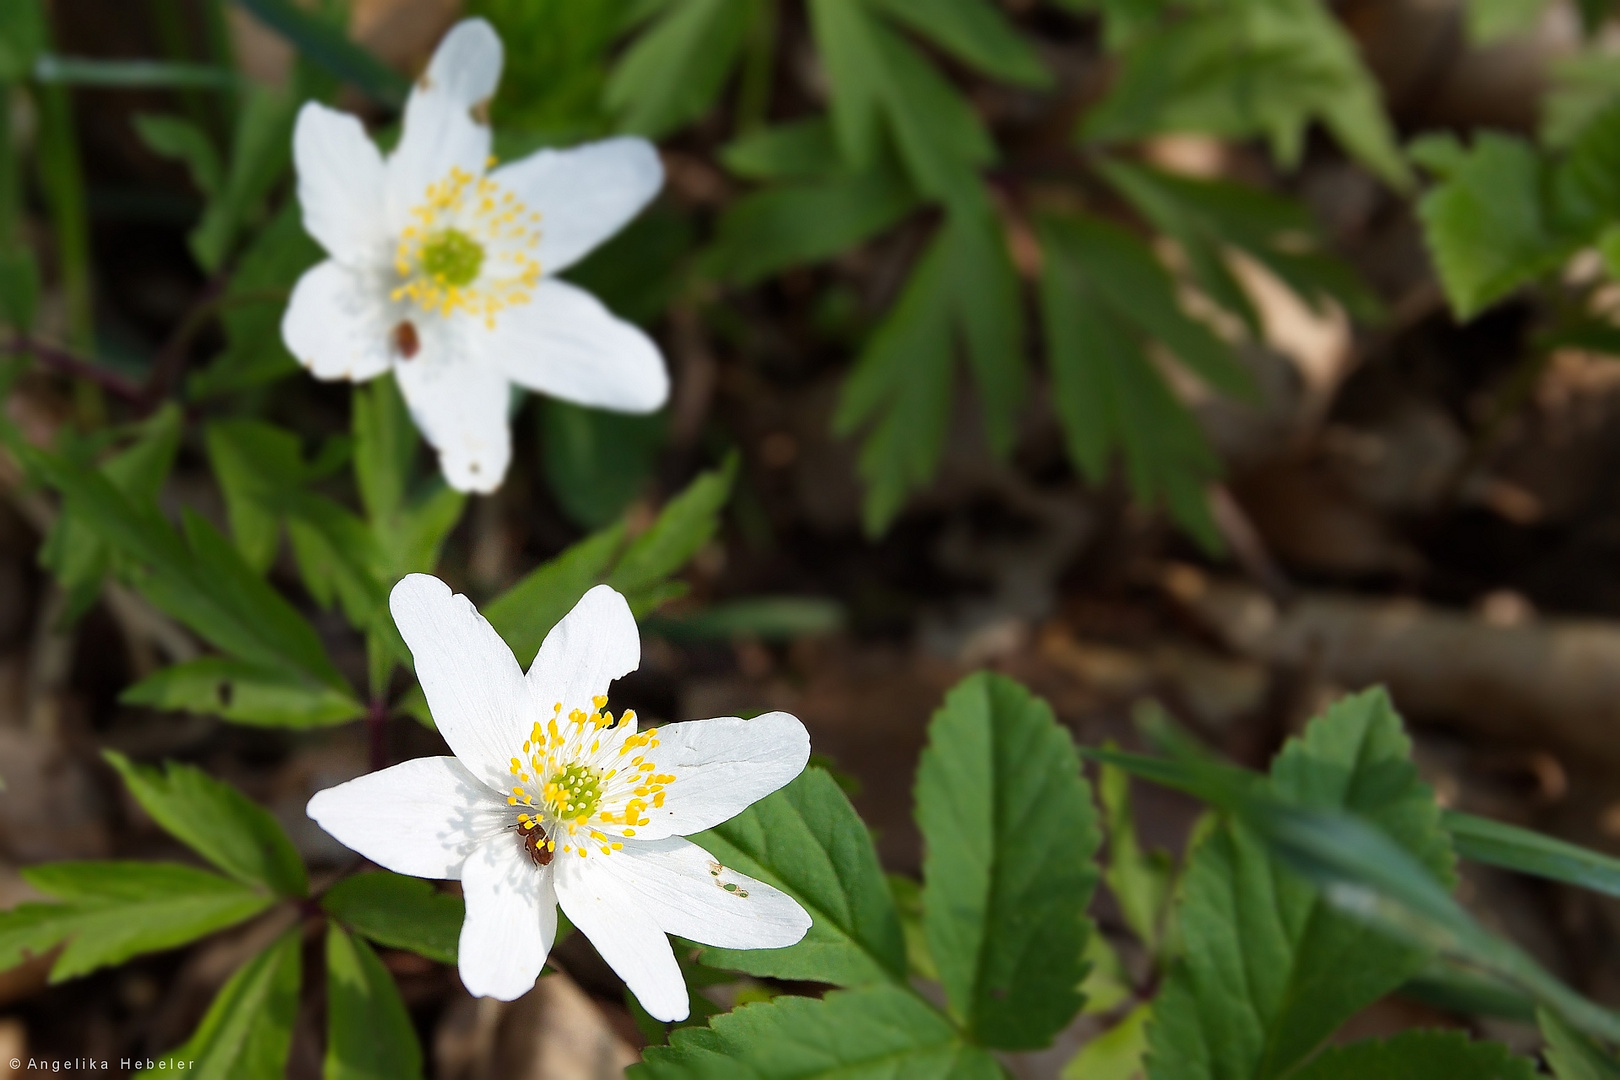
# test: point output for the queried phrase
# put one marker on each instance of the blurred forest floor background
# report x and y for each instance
(1406, 507)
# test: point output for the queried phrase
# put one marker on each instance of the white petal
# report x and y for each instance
(624, 933)
(460, 403)
(340, 185)
(563, 342)
(511, 920)
(584, 195)
(594, 644)
(685, 889)
(722, 766)
(440, 130)
(337, 323)
(422, 817)
(474, 687)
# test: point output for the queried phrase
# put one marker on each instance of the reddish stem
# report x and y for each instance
(62, 361)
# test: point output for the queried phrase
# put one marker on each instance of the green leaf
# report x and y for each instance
(1270, 969)
(1139, 880)
(1571, 1055)
(1419, 1055)
(111, 911)
(877, 1032)
(799, 150)
(1240, 68)
(328, 47)
(673, 72)
(687, 522)
(1116, 1054)
(243, 693)
(1009, 838)
(252, 308)
(525, 613)
(399, 913)
(1103, 296)
(885, 92)
(808, 841)
(73, 549)
(962, 290)
(596, 461)
(369, 1035)
(200, 579)
(180, 140)
(1587, 195)
(216, 821)
(974, 32)
(1528, 852)
(768, 231)
(1207, 216)
(261, 149)
(258, 467)
(247, 1032)
(1488, 224)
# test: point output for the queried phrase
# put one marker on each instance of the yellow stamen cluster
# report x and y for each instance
(587, 775)
(467, 248)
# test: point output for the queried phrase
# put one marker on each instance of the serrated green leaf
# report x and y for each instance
(1488, 224)
(1205, 216)
(216, 821)
(1586, 193)
(676, 67)
(111, 911)
(1108, 393)
(1419, 1055)
(369, 1035)
(181, 140)
(525, 613)
(808, 841)
(199, 579)
(1009, 838)
(1583, 85)
(1270, 969)
(261, 150)
(247, 1032)
(257, 466)
(73, 549)
(596, 461)
(770, 230)
(881, 1031)
(883, 88)
(963, 290)
(243, 693)
(399, 912)
(1239, 68)
(974, 32)
(1571, 1055)
(686, 523)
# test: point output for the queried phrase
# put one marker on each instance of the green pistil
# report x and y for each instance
(578, 791)
(452, 257)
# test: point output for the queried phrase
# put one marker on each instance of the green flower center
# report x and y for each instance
(575, 791)
(451, 257)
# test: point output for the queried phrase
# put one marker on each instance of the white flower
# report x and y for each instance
(444, 274)
(550, 800)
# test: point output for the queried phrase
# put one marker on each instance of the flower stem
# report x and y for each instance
(62, 361)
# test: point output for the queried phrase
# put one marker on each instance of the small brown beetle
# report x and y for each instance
(535, 839)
